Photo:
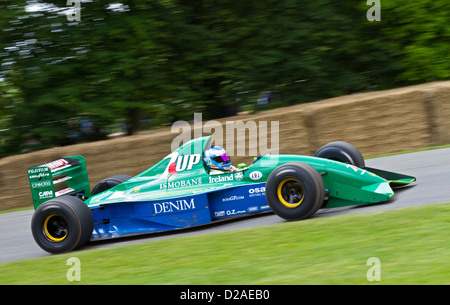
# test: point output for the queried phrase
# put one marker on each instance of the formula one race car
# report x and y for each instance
(181, 192)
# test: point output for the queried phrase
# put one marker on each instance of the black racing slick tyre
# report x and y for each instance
(62, 224)
(108, 183)
(295, 191)
(341, 151)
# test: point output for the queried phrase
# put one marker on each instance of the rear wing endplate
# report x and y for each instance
(60, 177)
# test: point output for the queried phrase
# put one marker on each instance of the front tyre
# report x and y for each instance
(341, 151)
(295, 191)
(62, 224)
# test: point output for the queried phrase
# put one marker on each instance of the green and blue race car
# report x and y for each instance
(180, 192)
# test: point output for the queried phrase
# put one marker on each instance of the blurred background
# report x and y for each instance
(136, 65)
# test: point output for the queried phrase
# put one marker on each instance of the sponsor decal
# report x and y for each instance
(62, 179)
(39, 176)
(252, 209)
(219, 213)
(40, 184)
(56, 164)
(64, 191)
(180, 163)
(257, 191)
(355, 168)
(256, 175)
(221, 178)
(210, 189)
(38, 170)
(239, 176)
(234, 212)
(180, 183)
(174, 206)
(232, 198)
(45, 194)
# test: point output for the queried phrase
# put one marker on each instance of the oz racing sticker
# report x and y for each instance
(230, 212)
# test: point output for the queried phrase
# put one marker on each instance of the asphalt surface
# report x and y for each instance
(431, 168)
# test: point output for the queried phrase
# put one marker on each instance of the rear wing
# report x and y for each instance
(60, 177)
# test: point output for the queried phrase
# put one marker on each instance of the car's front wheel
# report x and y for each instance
(295, 191)
(341, 151)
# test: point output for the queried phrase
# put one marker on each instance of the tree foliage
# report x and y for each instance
(156, 61)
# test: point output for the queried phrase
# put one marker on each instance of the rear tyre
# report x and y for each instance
(341, 151)
(295, 191)
(62, 224)
(108, 183)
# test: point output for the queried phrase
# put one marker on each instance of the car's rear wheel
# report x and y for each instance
(62, 224)
(341, 151)
(295, 191)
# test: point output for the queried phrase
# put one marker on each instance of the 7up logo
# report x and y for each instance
(180, 163)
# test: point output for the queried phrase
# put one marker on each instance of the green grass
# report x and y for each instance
(412, 245)
(16, 210)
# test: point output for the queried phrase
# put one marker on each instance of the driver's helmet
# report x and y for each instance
(216, 158)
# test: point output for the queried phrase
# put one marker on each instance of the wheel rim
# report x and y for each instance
(290, 192)
(55, 228)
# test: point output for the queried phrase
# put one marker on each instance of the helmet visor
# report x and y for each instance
(221, 158)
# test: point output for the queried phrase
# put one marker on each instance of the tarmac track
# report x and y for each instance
(431, 168)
